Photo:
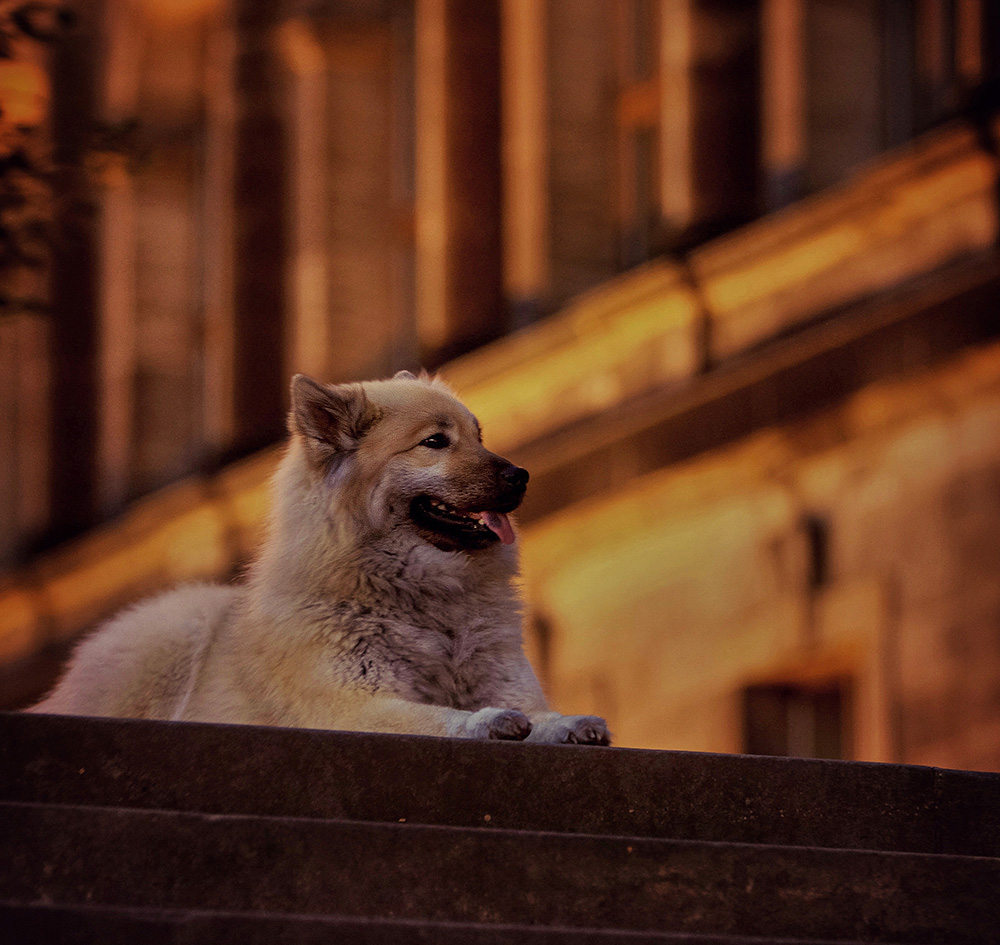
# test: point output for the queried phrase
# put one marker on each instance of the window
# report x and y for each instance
(809, 720)
(638, 119)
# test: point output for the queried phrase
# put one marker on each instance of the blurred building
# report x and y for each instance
(722, 274)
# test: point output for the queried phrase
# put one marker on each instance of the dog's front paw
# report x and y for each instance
(572, 730)
(507, 724)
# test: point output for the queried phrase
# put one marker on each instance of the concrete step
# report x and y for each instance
(126, 831)
(84, 925)
(678, 795)
(241, 863)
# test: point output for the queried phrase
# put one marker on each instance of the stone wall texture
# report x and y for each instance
(664, 600)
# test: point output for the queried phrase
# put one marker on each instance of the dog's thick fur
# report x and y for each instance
(383, 598)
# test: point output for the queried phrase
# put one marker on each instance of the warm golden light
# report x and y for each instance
(24, 93)
(763, 454)
(179, 12)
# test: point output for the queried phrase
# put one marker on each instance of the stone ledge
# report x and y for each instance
(494, 785)
(127, 830)
(166, 859)
(84, 925)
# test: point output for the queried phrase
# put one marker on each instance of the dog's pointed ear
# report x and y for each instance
(404, 376)
(331, 420)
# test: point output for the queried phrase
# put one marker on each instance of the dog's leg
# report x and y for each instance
(507, 724)
(380, 714)
(521, 688)
(555, 729)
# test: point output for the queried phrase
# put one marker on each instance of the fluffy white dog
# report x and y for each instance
(382, 600)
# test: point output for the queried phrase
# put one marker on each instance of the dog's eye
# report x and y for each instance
(437, 441)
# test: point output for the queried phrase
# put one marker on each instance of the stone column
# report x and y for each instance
(459, 239)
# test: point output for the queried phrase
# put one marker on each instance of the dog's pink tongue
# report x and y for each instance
(499, 523)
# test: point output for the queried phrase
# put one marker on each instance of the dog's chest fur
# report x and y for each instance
(431, 631)
(380, 653)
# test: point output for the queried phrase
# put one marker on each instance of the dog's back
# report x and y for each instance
(144, 663)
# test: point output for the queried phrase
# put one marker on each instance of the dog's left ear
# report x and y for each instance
(331, 420)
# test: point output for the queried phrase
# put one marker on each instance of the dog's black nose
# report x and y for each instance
(515, 476)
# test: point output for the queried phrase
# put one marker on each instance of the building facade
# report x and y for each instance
(723, 275)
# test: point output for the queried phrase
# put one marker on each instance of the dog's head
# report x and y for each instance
(406, 454)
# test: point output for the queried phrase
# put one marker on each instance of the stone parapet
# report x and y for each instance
(396, 838)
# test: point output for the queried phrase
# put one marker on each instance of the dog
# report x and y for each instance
(383, 599)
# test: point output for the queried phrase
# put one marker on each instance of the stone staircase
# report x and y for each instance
(115, 831)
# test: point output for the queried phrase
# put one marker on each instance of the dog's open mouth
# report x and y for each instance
(451, 527)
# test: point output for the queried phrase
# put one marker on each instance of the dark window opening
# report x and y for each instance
(798, 720)
(817, 535)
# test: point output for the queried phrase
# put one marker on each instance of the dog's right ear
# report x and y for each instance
(331, 420)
